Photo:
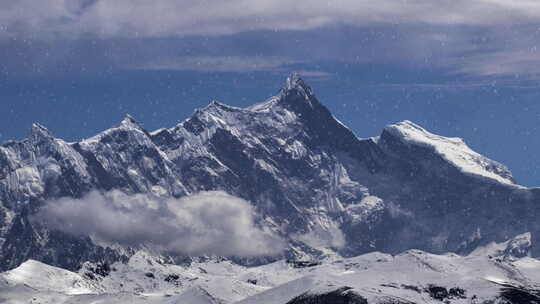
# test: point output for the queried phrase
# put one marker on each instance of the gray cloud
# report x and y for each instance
(478, 38)
(235, 64)
(205, 223)
(512, 63)
(140, 18)
(217, 64)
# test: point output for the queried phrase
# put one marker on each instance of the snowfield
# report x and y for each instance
(452, 149)
(492, 272)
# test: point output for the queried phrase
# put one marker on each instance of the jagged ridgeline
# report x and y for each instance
(309, 178)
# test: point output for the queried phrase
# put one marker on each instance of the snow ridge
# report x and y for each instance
(453, 149)
(413, 276)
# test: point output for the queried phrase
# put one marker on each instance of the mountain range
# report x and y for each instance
(327, 194)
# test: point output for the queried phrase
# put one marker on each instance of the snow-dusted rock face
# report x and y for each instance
(452, 150)
(310, 179)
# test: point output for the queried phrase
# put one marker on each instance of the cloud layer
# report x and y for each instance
(137, 18)
(208, 223)
(478, 38)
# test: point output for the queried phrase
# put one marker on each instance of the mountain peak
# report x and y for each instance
(39, 131)
(218, 106)
(452, 149)
(294, 80)
(297, 94)
(295, 83)
(130, 122)
(215, 103)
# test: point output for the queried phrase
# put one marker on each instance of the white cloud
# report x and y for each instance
(141, 18)
(327, 237)
(205, 223)
(395, 211)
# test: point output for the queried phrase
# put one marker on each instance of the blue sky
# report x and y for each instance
(458, 68)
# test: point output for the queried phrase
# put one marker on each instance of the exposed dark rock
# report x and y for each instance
(172, 278)
(303, 264)
(150, 275)
(344, 295)
(519, 295)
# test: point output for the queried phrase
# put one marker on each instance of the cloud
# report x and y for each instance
(478, 38)
(395, 211)
(327, 237)
(217, 64)
(315, 75)
(234, 64)
(511, 63)
(207, 223)
(140, 18)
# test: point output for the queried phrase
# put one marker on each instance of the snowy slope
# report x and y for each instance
(413, 277)
(452, 149)
(43, 277)
(490, 273)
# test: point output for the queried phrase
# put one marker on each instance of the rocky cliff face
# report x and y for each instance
(309, 177)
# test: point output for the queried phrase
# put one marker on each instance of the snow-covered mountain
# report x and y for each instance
(310, 179)
(491, 274)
